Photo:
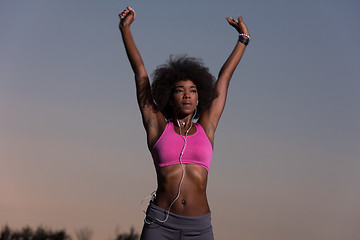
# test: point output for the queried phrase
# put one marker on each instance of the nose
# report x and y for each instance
(186, 95)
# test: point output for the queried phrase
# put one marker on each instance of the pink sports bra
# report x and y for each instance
(167, 149)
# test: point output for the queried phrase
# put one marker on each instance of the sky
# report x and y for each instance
(73, 151)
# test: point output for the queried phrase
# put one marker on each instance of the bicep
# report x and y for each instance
(148, 109)
(152, 118)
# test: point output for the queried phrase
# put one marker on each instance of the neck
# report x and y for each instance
(183, 122)
(184, 126)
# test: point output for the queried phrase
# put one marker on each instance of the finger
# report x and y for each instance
(123, 14)
(234, 20)
(132, 11)
(230, 21)
(240, 19)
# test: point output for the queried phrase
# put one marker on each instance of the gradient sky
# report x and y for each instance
(287, 152)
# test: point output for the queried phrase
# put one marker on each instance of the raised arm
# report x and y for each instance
(211, 116)
(150, 115)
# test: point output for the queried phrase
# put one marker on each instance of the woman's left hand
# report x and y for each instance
(238, 24)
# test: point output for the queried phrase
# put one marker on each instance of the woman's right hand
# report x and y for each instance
(126, 17)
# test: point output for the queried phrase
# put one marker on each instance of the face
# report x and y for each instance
(184, 97)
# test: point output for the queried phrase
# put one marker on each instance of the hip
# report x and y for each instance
(160, 224)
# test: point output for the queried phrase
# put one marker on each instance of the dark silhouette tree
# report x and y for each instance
(41, 233)
(5, 233)
(84, 234)
(28, 234)
(128, 236)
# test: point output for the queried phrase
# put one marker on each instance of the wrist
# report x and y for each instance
(244, 38)
(124, 27)
(246, 35)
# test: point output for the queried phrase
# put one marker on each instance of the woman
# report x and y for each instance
(182, 90)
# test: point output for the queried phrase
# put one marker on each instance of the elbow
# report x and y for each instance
(140, 74)
(225, 76)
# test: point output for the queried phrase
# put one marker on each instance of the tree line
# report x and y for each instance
(42, 233)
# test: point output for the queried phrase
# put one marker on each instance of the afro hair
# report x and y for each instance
(182, 68)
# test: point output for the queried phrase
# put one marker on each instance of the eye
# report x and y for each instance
(193, 91)
(178, 90)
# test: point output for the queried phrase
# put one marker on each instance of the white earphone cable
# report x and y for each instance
(153, 194)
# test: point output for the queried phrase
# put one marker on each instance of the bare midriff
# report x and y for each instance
(192, 201)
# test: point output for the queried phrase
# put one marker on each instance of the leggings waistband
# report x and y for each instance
(157, 215)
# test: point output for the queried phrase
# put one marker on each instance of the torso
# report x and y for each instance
(192, 200)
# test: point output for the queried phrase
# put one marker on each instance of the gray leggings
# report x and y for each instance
(176, 227)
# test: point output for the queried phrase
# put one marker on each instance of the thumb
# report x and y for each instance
(131, 11)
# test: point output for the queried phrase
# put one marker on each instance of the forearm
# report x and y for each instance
(132, 52)
(231, 63)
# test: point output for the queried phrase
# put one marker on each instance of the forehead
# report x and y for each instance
(185, 83)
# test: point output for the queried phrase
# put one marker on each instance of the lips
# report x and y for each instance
(186, 103)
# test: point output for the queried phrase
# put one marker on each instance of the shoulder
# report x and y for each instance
(208, 130)
(155, 130)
